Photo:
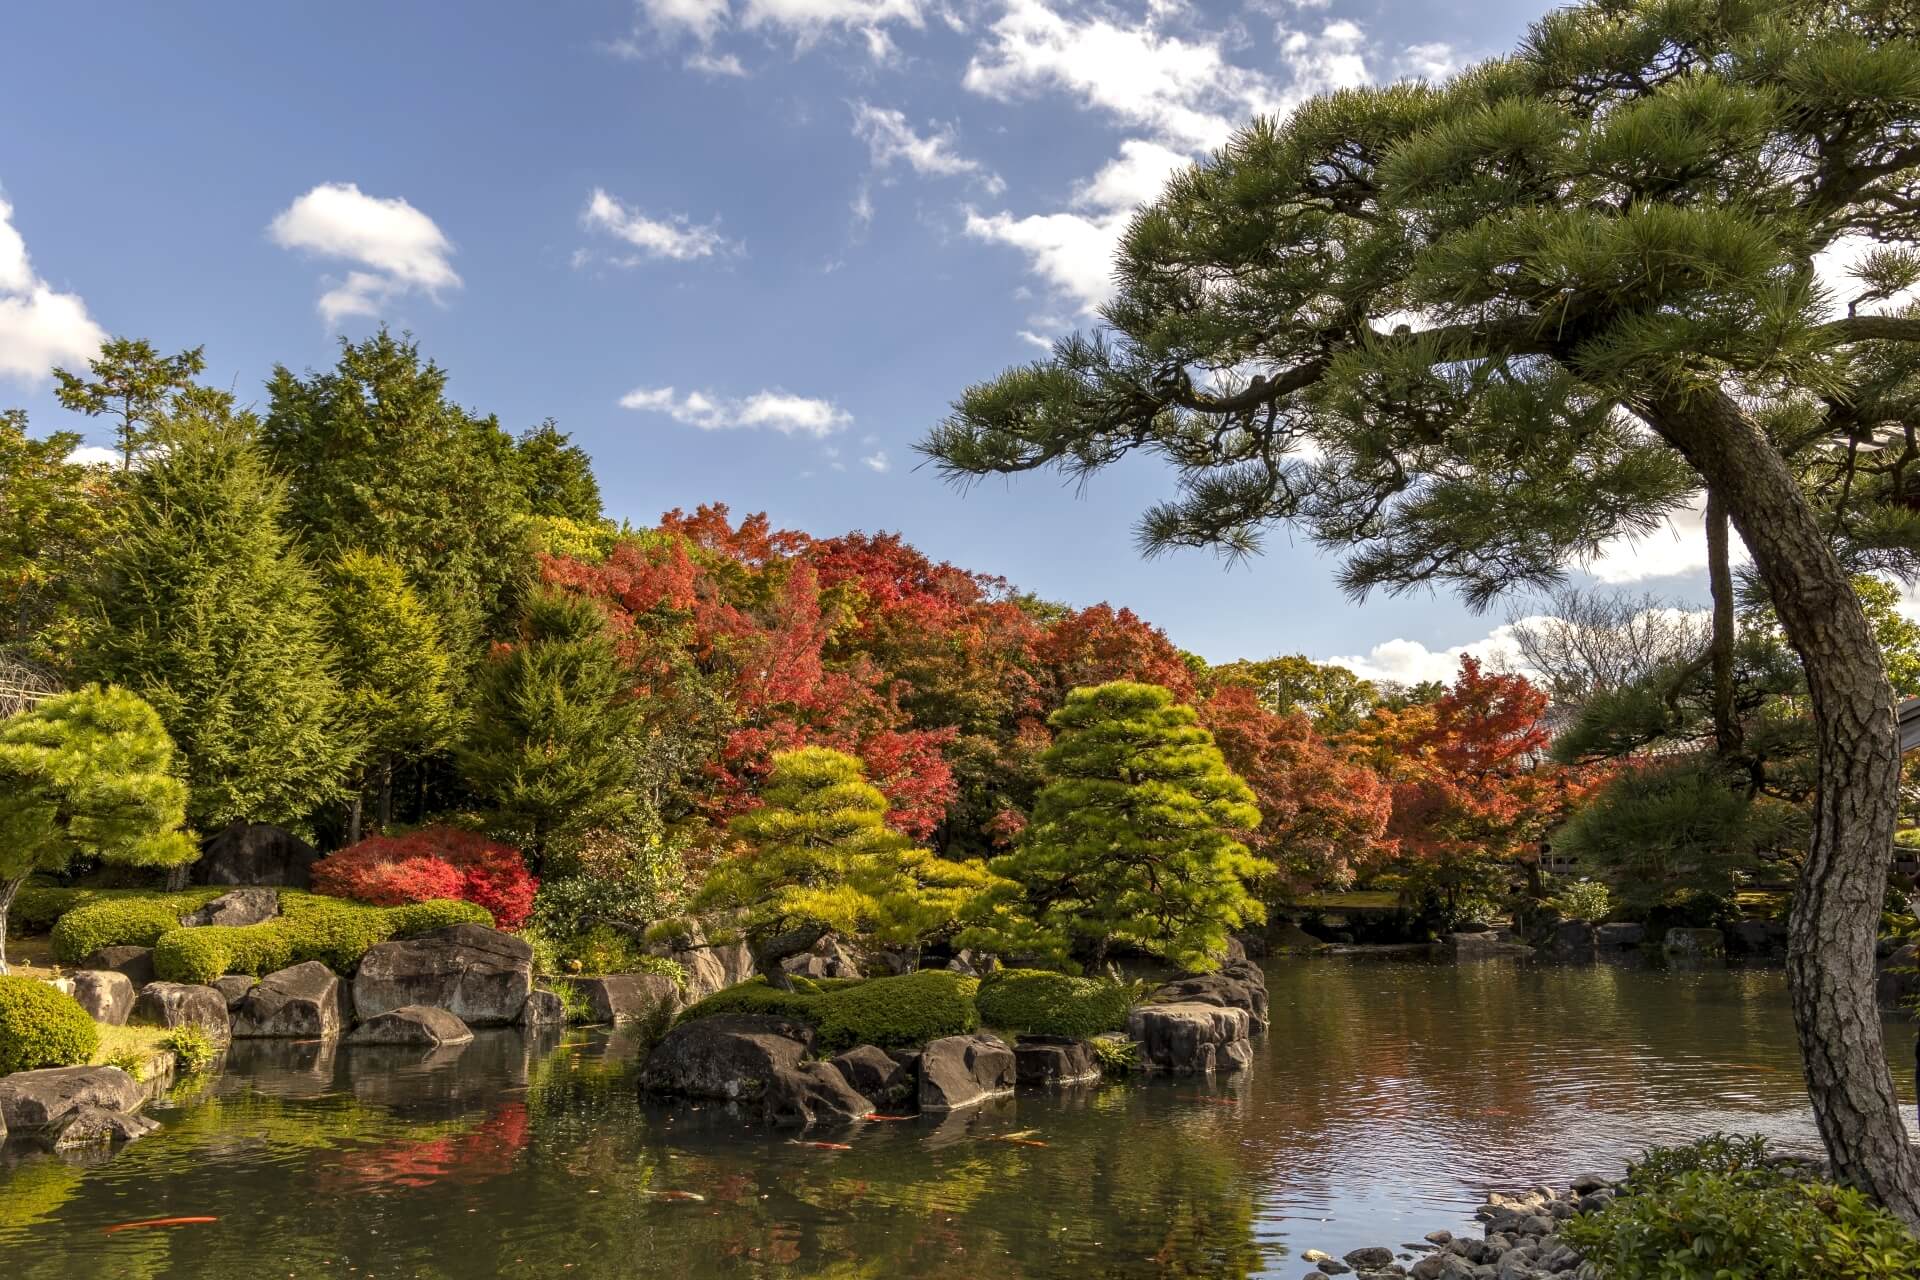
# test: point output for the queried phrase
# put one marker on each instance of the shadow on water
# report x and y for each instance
(1388, 1096)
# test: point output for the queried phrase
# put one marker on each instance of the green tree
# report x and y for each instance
(549, 742)
(53, 520)
(556, 475)
(87, 775)
(211, 614)
(1534, 308)
(1333, 697)
(394, 672)
(132, 383)
(1135, 839)
(819, 858)
(1897, 635)
(379, 459)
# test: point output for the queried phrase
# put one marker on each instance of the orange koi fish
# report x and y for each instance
(823, 1146)
(157, 1222)
(693, 1197)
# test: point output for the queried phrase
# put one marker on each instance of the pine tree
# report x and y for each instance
(87, 775)
(133, 383)
(551, 737)
(1467, 332)
(212, 616)
(556, 475)
(53, 523)
(1136, 836)
(819, 858)
(394, 671)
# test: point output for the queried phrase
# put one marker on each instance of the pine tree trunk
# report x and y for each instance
(1726, 730)
(1836, 905)
(7, 893)
(386, 796)
(353, 816)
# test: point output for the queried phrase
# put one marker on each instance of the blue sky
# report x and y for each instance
(744, 250)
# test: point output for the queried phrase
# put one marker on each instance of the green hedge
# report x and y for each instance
(120, 918)
(893, 1013)
(1037, 1002)
(334, 931)
(42, 1026)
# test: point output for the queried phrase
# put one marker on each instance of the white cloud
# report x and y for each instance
(699, 18)
(1029, 336)
(889, 138)
(674, 237)
(1334, 59)
(1678, 546)
(877, 461)
(396, 249)
(724, 64)
(93, 455)
(1432, 61)
(774, 410)
(39, 326)
(807, 21)
(1834, 266)
(1410, 661)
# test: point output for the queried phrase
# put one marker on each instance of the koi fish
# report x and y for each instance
(875, 1115)
(157, 1222)
(1022, 1142)
(692, 1197)
(823, 1146)
(1221, 1102)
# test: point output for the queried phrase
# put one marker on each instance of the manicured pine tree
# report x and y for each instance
(87, 775)
(1136, 836)
(394, 671)
(211, 614)
(551, 740)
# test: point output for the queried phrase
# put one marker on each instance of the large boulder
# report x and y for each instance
(105, 994)
(33, 1101)
(543, 1009)
(1572, 940)
(256, 853)
(88, 1127)
(1694, 943)
(876, 1075)
(305, 1002)
(709, 968)
(416, 1024)
(135, 962)
(730, 1058)
(1054, 1060)
(234, 986)
(828, 958)
(964, 1071)
(1757, 937)
(631, 997)
(811, 1093)
(179, 1004)
(1238, 984)
(1185, 1039)
(480, 974)
(243, 906)
(1619, 935)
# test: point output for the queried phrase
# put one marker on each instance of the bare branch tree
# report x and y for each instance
(1582, 642)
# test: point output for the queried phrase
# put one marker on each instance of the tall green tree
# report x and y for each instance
(133, 384)
(556, 475)
(379, 459)
(87, 775)
(211, 614)
(53, 522)
(1533, 308)
(553, 718)
(1136, 837)
(395, 673)
(1333, 697)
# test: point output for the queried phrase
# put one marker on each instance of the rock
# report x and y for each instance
(1238, 984)
(709, 969)
(106, 994)
(1184, 1038)
(1757, 937)
(1439, 1239)
(255, 853)
(1372, 1258)
(631, 997)
(305, 1002)
(1572, 940)
(135, 962)
(813, 1093)
(1330, 1267)
(415, 1024)
(1442, 1266)
(873, 1074)
(178, 1004)
(1619, 936)
(1039, 1061)
(543, 1009)
(92, 1126)
(479, 974)
(33, 1101)
(234, 986)
(828, 958)
(1698, 943)
(1585, 1183)
(1237, 1056)
(963, 1071)
(1484, 945)
(250, 905)
(730, 1057)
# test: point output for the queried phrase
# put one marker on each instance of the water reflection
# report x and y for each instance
(1387, 1097)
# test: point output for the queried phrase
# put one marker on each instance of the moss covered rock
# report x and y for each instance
(892, 1013)
(1038, 1002)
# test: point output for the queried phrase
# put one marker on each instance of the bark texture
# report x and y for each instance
(1726, 731)
(1836, 906)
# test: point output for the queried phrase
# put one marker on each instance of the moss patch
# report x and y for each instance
(1038, 1002)
(334, 931)
(893, 1013)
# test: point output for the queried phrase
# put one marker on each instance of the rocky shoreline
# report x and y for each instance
(1520, 1240)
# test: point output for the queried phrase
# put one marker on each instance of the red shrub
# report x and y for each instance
(433, 862)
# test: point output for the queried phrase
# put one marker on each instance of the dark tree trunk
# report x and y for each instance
(1836, 906)
(1726, 729)
(386, 796)
(353, 816)
(7, 892)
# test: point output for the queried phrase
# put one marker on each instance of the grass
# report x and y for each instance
(32, 958)
(127, 1046)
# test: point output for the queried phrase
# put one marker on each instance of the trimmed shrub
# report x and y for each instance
(42, 1026)
(428, 864)
(893, 1013)
(122, 918)
(310, 927)
(1038, 1002)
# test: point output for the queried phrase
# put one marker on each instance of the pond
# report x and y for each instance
(1388, 1097)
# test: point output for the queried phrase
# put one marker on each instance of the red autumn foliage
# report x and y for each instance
(433, 862)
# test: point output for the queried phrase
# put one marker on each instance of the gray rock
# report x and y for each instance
(813, 1093)
(1699, 943)
(1237, 1056)
(1372, 1258)
(1442, 1266)
(1331, 1267)
(255, 853)
(543, 1009)
(106, 994)
(829, 958)
(1237, 984)
(1039, 1061)
(1587, 1182)
(1184, 1038)
(732, 1058)
(631, 997)
(234, 986)
(420, 1025)
(305, 1002)
(964, 1071)
(88, 1126)
(1757, 937)
(709, 968)
(875, 1075)
(1572, 940)
(34, 1101)
(178, 1004)
(1486, 945)
(1595, 1201)
(479, 974)
(1619, 936)
(236, 908)
(135, 962)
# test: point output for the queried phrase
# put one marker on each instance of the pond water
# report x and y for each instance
(1388, 1097)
